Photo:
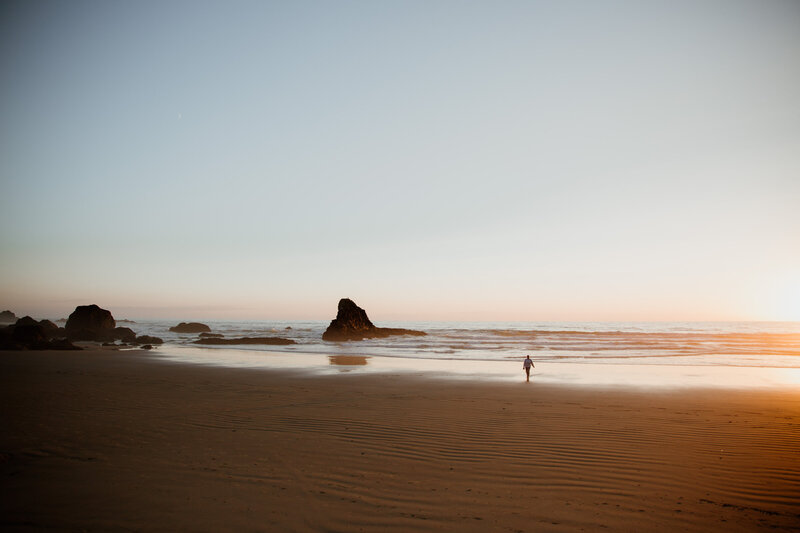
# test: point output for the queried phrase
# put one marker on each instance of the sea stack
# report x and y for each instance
(353, 324)
(90, 322)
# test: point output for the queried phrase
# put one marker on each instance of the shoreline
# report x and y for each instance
(583, 374)
(111, 440)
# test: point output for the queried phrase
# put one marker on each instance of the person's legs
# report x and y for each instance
(527, 374)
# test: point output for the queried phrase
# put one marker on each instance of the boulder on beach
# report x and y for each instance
(29, 334)
(352, 324)
(215, 341)
(190, 327)
(90, 323)
(32, 335)
(49, 329)
(7, 317)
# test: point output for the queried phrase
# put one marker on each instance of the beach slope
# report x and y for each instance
(102, 440)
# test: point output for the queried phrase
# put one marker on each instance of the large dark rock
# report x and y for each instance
(46, 327)
(147, 339)
(35, 336)
(190, 327)
(29, 334)
(7, 317)
(352, 324)
(90, 323)
(277, 341)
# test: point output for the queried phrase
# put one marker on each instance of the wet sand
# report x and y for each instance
(104, 441)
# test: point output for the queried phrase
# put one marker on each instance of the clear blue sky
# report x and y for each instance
(577, 160)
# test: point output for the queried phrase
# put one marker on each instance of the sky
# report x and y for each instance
(433, 160)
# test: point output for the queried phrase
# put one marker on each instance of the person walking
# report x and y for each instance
(527, 364)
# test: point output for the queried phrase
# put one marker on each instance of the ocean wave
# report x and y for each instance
(750, 344)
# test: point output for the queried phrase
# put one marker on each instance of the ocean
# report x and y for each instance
(739, 344)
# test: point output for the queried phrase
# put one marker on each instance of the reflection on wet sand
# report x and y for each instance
(592, 374)
(347, 360)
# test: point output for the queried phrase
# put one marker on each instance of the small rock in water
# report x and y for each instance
(190, 327)
(147, 339)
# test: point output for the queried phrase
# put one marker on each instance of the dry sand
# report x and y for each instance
(104, 441)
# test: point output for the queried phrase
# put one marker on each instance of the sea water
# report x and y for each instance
(753, 344)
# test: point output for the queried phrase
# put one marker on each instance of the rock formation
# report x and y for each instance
(28, 334)
(52, 329)
(7, 317)
(147, 339)
(124, 334)
(86, 323)
(190, 327)
(352, 324)
(90, 323)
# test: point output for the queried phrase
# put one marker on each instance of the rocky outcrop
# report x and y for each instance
(26, 321)
(352, 324)
(277, 341)
(147, 339)
(7, 317)
(90, 323)
(28, 334)
(190, 327)
(52, 329)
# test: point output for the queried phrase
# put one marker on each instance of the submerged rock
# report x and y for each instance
(190, 327)
(147, 339)
(352, 324)
(245, 340)
(29, 334)
(207, 335)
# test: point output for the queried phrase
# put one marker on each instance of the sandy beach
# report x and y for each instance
(103, 441)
